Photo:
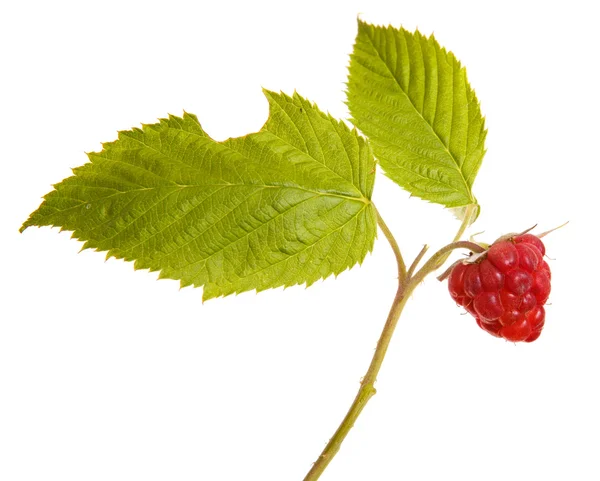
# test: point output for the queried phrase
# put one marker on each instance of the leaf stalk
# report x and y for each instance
(402, 274)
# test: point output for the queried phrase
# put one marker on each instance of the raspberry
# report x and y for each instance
(505, 288)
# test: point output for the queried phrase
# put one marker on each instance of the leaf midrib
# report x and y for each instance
(363, 200)
(226, 145)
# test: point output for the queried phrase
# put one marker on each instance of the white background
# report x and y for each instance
(107, 374)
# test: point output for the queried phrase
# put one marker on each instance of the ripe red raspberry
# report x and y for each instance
(505, 288)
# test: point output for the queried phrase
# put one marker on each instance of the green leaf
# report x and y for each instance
(287, 205)
(412, 99)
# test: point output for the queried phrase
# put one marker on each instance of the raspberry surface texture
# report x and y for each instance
(505, 288)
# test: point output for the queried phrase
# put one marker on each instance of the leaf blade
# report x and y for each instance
(412, 99)
(279, 207)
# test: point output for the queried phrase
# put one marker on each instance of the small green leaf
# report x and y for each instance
(287, 205)
(412, 99)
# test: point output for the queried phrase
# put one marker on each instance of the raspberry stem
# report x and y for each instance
(406, 285)
(438, 259)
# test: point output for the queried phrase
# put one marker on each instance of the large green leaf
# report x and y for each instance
(412, 99)
(287, 205)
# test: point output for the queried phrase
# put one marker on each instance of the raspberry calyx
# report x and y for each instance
(505, 288)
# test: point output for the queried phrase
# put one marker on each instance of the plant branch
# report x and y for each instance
(406, 284)
(367, 389)
(437, 259)
(470, 212)
(394, 245)
(415, 263)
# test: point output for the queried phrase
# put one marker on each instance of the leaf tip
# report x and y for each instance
(268, 93)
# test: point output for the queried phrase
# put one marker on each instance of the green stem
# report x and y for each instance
(394, 245)
(470, 211)
(406, 285)
(415, 263)
(437, 259)
(367, 388)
